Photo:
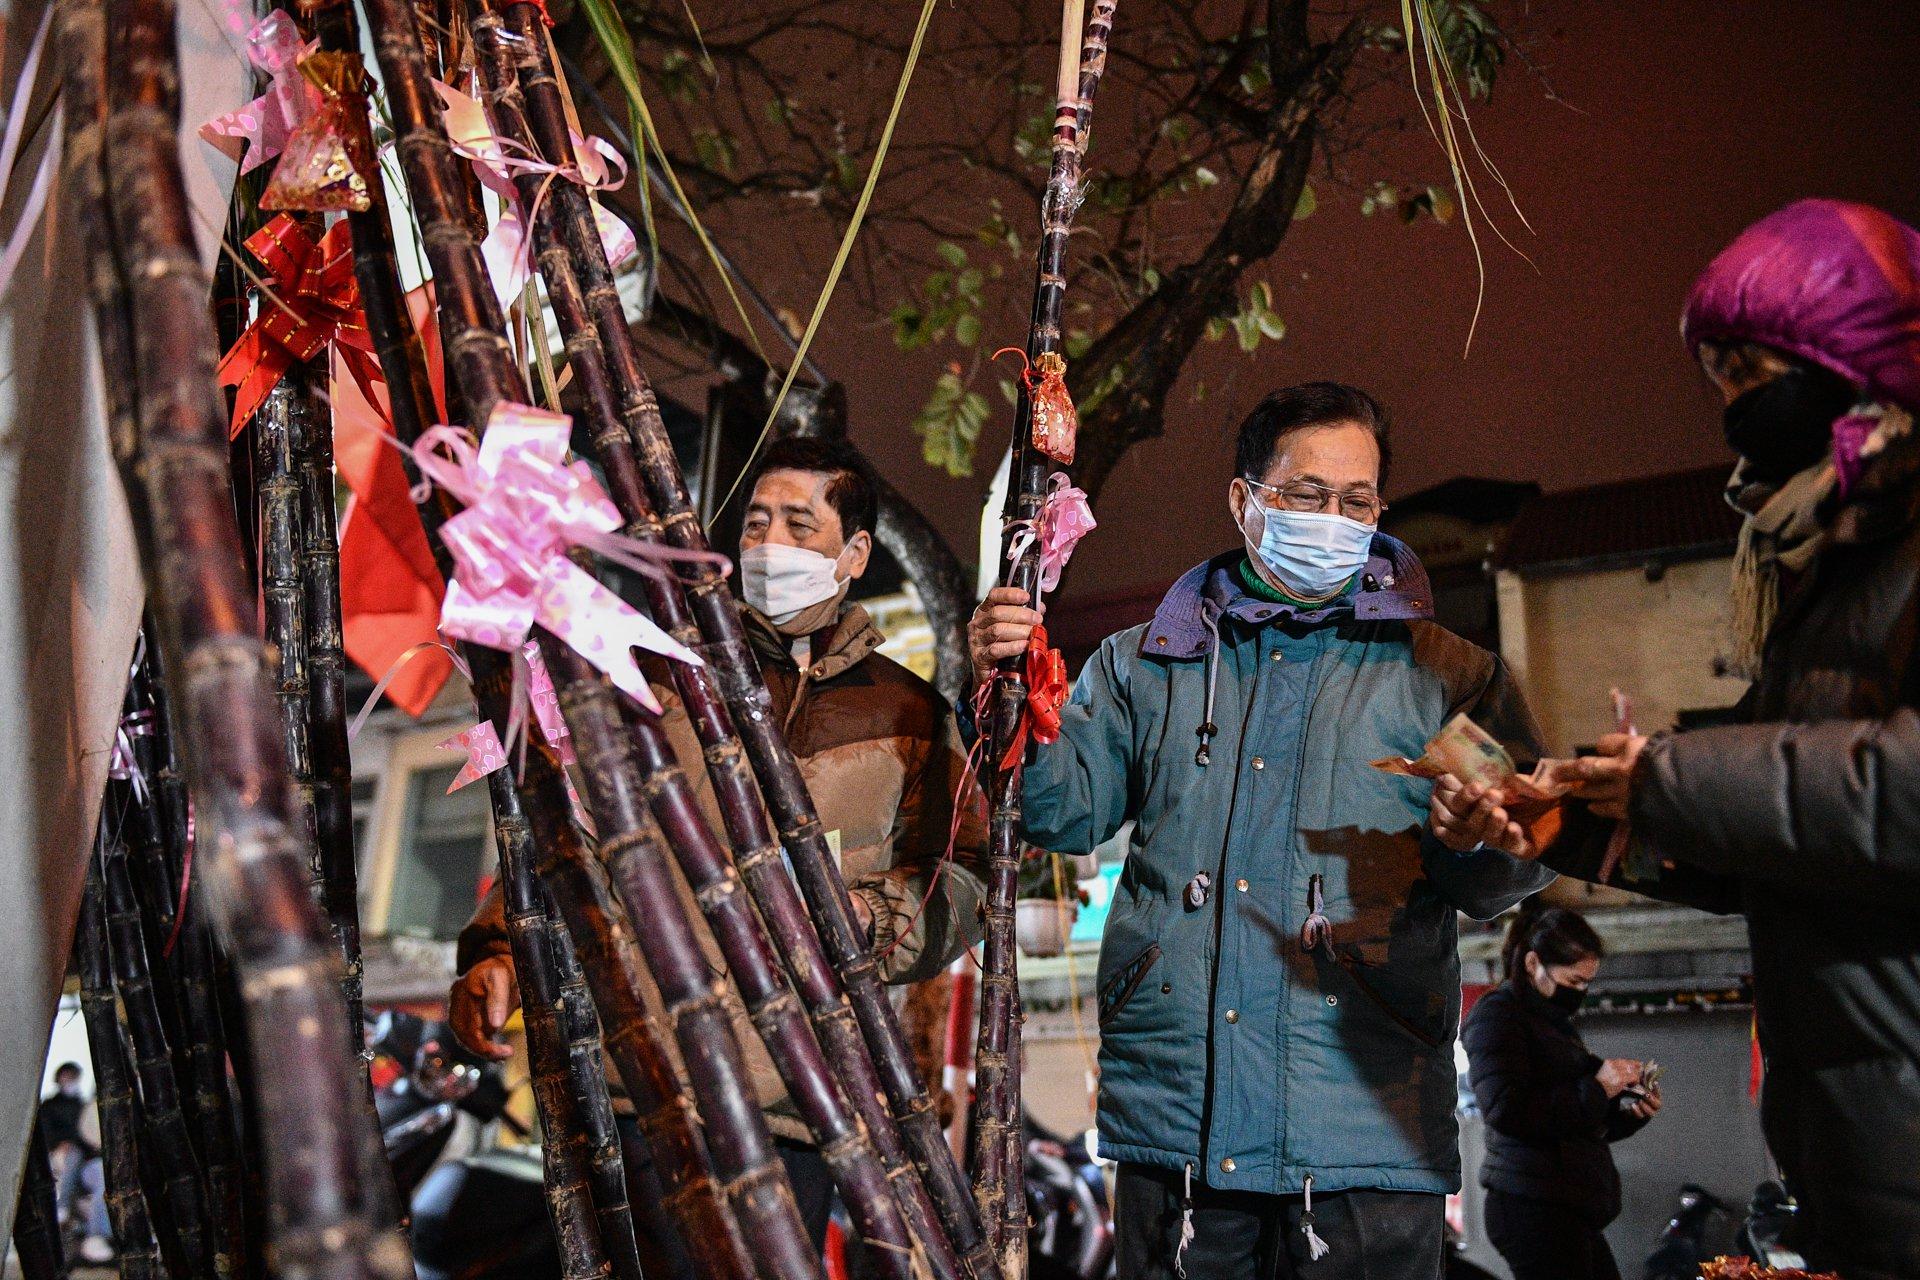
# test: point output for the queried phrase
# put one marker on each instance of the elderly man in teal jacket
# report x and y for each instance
(1279, 989)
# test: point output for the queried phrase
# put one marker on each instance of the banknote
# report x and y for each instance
(1474, 756)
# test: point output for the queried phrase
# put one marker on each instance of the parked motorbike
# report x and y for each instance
(480, 1216)
(1071, 1217)
(1690, 1235)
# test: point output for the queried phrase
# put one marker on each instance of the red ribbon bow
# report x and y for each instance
(1047, 692)
(319, 304)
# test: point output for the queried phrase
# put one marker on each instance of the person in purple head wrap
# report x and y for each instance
(1805, 816)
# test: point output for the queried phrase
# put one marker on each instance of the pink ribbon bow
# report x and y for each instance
(526, 506)
(261, 128)
(1066, 518)
(507, 250)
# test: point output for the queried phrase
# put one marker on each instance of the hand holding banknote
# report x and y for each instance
(1478, 797)
(1465, 816)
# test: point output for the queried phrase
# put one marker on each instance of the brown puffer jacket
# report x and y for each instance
(883, 760)
(1806, 819)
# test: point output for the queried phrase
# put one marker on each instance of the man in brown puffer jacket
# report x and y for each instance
(881, 756)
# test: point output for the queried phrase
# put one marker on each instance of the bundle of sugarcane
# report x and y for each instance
(480, 366)
(830, 966)
(536, 799)
(174, 1185)
(36, 1219)
(150, 295)
(153, 799)
(848, 1144)
(113, 1087)
(995, 1131)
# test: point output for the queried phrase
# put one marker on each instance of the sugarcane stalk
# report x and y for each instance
(995, 1131)
(36, 1216)
(580, 1030)
(326, 714)
(470, 323)
(565, 1155)
(831, 967)
(280, 429)
(183, 1224)
(842, 1136)
(113, 1084)
(252, 856)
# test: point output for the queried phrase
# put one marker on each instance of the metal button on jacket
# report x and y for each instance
(1259, 763)
(1227, 1165)
(1233, 1015)
(1241, 885)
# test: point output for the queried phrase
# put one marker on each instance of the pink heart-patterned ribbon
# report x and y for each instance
(1066, 518)
(526, 508)
(484, 753)
(257, 132)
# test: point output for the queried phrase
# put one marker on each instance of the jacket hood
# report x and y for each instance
(1392, 588)
(1831, 282)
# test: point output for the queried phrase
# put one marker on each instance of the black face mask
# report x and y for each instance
(1784, 426)
(1567, 999)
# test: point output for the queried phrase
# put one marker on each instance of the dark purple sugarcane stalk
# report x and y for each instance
(995, 1133)
(642, 472)
(565, 1155)
(335, 877)
(479, 363)
(176, 1201)
(587, 1080)
(839, 1132)
(252, 852)
(36, 1216)
(112, 1076)
(280, 428)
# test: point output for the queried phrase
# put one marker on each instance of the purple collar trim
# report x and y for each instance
(1392, 588)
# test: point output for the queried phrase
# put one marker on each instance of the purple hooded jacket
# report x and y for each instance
(1834, 283)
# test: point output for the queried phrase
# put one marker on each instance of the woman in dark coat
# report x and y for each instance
(1551, 1106)
(1805, 817)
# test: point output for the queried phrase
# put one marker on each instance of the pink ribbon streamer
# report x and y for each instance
(546, 704)
(484, 753)
(1065, 518)
(526, 507)
(256, 133)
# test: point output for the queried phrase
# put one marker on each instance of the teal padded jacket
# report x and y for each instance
(1226, 1044)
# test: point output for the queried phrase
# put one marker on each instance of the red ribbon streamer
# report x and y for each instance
(319, 303)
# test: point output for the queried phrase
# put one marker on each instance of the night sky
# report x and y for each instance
(1671, 125)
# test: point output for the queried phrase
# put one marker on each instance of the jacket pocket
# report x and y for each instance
(1356, 970)
(1117, 990)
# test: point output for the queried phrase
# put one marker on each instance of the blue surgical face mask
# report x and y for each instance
(1311, 554)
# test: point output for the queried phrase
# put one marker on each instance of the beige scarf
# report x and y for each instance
(1782, 532)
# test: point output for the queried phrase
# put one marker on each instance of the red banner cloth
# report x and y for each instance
(390, 588)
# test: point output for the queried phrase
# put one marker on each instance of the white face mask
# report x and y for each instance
(1313, 554)
(782, 581)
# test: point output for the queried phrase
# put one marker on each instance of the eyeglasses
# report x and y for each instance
(1363, 505)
